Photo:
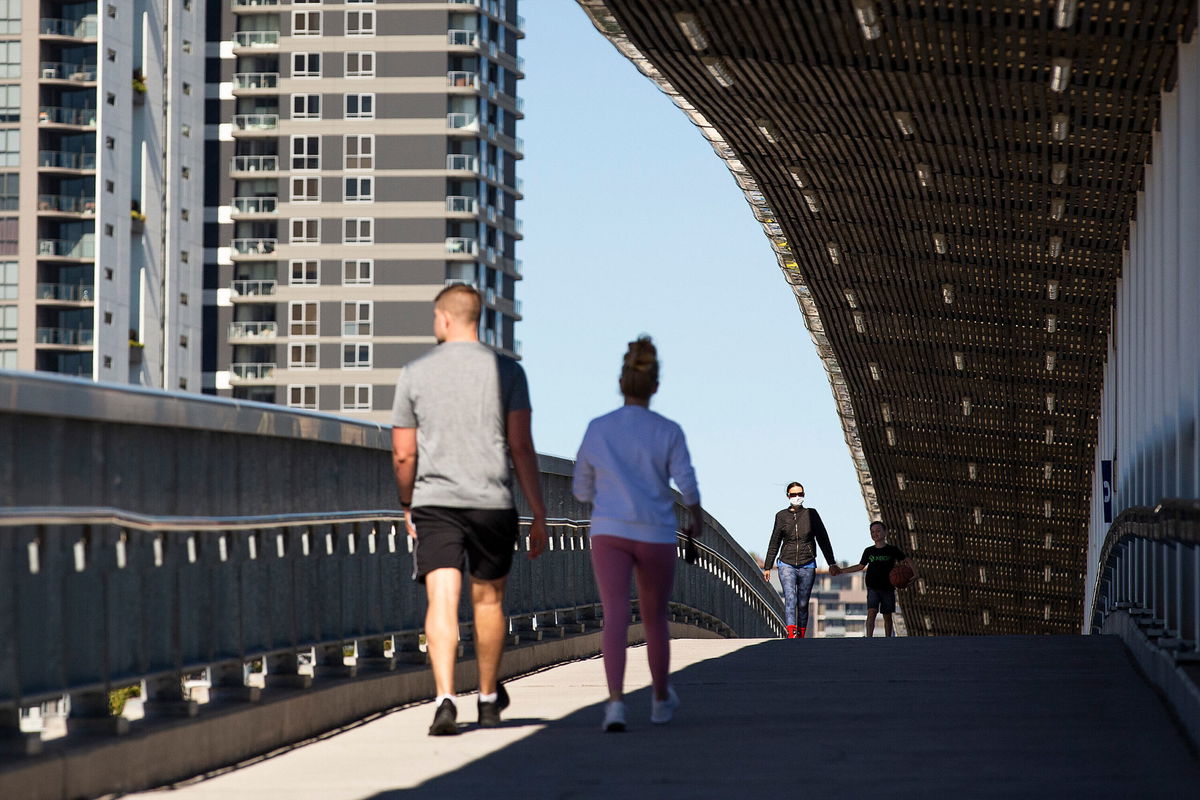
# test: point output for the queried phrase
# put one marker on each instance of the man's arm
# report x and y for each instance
(524, 458)
(404, 464)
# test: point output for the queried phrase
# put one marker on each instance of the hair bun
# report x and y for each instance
(639, 371)
(642, 355)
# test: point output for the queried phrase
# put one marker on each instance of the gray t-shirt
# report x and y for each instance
(458, 397)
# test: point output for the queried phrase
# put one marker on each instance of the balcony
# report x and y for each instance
(256, 80)
(462, 120)
(461, 245)
(254, 3)
(255, 122)
(66, 292)
(254, 247)
(86, 28)
(462, 205)
(56, 115)
(255, 164)
(63, 71)
(253, 288)
(255, 205)
(253, 330)
(62, 159)
(252, 371)
(463, 38)
(256, 39)
(67, 248)
(468, 80)
(456, 161)
(76, 337)
(67, 203)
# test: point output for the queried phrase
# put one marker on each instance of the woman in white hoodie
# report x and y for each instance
(625, 466)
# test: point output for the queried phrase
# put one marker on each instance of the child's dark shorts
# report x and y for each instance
(883, 599)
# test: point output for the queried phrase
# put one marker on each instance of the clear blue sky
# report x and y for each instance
(632, 225)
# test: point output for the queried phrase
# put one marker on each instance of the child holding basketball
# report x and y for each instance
(878, 560)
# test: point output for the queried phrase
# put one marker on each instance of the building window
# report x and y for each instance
(10, 59)
(10, 17)
(306, 23)
(306, 190)
(306, 65)
(8, 280)
(356, 318)
(10, 103)
(356, 397)
(302, 319)
(304, 272)
(301, 396)
(306, 152)
(10, 148)
(358, 230)
(8, 359)
(360, 65)
(8, 236)
(302, 356)
(360, 23)
(360, 106)
(8, 323)
(306, 230)
(356, 356)
(10, 191)
(360, 189)
(359, 151)
(358, 272)
(306, 106)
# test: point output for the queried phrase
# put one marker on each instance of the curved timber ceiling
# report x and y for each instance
(948, 188)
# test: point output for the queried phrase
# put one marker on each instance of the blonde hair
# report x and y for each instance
(639, 372)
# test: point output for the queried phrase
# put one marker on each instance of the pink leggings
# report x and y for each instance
(614, 559)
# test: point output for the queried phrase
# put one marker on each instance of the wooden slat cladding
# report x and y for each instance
(953, 226)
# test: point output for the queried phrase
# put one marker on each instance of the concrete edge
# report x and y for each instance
(161, 752)
(1158, 666)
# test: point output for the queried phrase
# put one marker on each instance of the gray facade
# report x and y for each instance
(361, 156)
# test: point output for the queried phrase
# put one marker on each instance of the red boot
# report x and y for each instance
(802, 630)
(791, 631)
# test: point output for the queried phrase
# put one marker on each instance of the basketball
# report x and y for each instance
(901, 576)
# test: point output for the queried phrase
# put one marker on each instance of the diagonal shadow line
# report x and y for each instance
(971, 717)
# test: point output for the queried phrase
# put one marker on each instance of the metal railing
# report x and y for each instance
(255, 122)
(462, 120)
(253, 288)
(1149, 567)
(462, 205)
(255, 164)
(457, 161)
(255, 205)
(252, 371)
(75, 204)
(254, 246)
(86, 28)
(251, 3)
(71, 292)
(253, 330)
(256, 38)
(67, 248)
(459, 244)
(463, 79)
(63, 159)
(65, 336)
(256, 80)
(57, 115)
(64, 71)
(462, 38)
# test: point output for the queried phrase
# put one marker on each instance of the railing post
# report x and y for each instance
(165, 697)
(12, 740)
(90, 713)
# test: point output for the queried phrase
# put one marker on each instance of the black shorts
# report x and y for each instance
(481, 540)
(883, 599)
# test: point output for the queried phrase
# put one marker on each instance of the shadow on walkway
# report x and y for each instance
(908, 717)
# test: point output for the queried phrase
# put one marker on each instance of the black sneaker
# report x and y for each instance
(489, 713)
(444, 719)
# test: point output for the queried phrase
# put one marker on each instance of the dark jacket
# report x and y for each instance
(795, 537)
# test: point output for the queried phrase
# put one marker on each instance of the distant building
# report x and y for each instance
(838, 608)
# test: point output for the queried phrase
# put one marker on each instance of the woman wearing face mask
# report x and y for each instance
(794, 538)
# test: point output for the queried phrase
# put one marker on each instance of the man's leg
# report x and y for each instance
(487, 598)
(888, 628)
(442, 587)
(871, 613)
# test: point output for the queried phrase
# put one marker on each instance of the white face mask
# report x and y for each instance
(796, 501)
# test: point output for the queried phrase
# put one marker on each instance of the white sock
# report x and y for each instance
(489, 698)
(438, 702)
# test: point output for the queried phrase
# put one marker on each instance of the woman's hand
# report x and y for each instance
(767, 575)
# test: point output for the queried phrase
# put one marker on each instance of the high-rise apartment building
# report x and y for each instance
(362, 154)
(101, 194)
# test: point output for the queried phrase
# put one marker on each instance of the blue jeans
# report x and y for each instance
(797, 586)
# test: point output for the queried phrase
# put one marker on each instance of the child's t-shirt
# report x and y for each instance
(879, 561)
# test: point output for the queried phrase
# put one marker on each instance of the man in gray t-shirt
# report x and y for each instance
(461, 412)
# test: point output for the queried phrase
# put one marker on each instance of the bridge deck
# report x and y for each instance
(977, 717)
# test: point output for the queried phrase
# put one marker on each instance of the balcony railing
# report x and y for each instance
(255, 205)
(67, 336)
(253, 330)
(462, 78)
(459, 244)
(462, 38)
(86, 28)
(63, 71)
(256, 38)
(255, 122)
(71, 292)
(251, 3)
(462, 205)
(255, 164)
(256, 80)
(74, 204)
(458, 161)
(254, 288)
(247, 247)
(67, 248)
(251, 371)
(67, 116)
(462, 119)
(62, 159)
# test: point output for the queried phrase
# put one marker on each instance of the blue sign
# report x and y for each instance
(1106, 486)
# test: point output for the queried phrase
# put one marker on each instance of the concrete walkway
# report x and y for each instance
(921, 717)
